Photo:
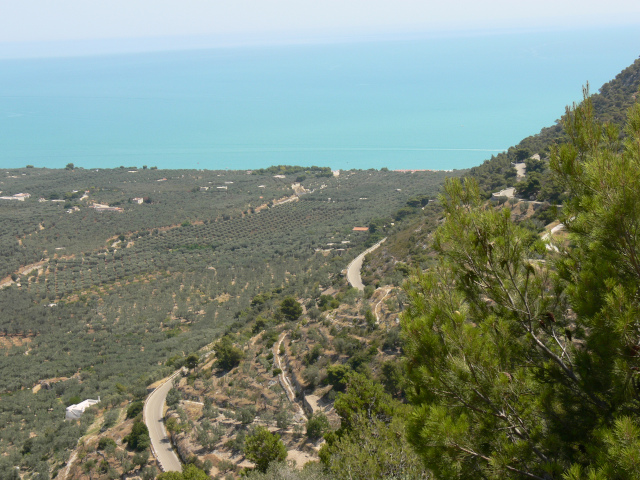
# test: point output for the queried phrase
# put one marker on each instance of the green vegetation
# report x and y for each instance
(317, 425)
(227, 355)
(290, 309)
(118, 299)
(522, 362)
(370, 442)
(263, 447)
(610, 105)
(138, 439)
(282, 471)
(295, 170)
(189, 472)
(516, 357)
(337, 377)
(106, 443)
(135, 409)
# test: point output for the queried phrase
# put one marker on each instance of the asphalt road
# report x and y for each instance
(153, 417)
(353, 270)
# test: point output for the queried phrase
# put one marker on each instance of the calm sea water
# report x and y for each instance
(436, 103)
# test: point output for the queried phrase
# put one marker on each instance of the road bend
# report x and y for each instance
(153, 417)
(353, 270)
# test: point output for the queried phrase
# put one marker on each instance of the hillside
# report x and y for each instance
(305, 379)
(459, 317)
(410, 246)
(114, 279)
(610, 103)
(109, 276)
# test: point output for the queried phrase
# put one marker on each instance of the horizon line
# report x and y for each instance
(42, 49)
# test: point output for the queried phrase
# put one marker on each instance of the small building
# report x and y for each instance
(18, 196)
(74, 412)
(503, 194)
(360, 229)
(105, 208)
(137, 200)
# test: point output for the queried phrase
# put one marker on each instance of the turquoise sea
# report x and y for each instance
(423, 103)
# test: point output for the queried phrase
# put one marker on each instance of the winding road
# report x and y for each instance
(154, 405)
(153, 418)
(353, 270)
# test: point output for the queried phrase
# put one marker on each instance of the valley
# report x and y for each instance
(106, 302)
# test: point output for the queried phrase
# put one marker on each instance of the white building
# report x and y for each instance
(18, 196)
(74, 412)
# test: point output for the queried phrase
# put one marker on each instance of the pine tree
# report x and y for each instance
(522, 361)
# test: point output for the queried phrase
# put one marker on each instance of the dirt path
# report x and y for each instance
(376, 309)
(284, 381)
(87, 438)
(72, 459)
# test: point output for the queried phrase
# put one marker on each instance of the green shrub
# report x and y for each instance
(263, 447)
(246, 414)
(337, 376)
(138, 439)
(135, 409)
(173, 397)
(317, 425)
(105, 442)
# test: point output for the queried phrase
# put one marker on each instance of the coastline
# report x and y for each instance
(399, 105)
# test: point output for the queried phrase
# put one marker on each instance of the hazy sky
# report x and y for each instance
(63, 22)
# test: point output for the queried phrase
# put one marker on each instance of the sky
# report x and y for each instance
(48, 27)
